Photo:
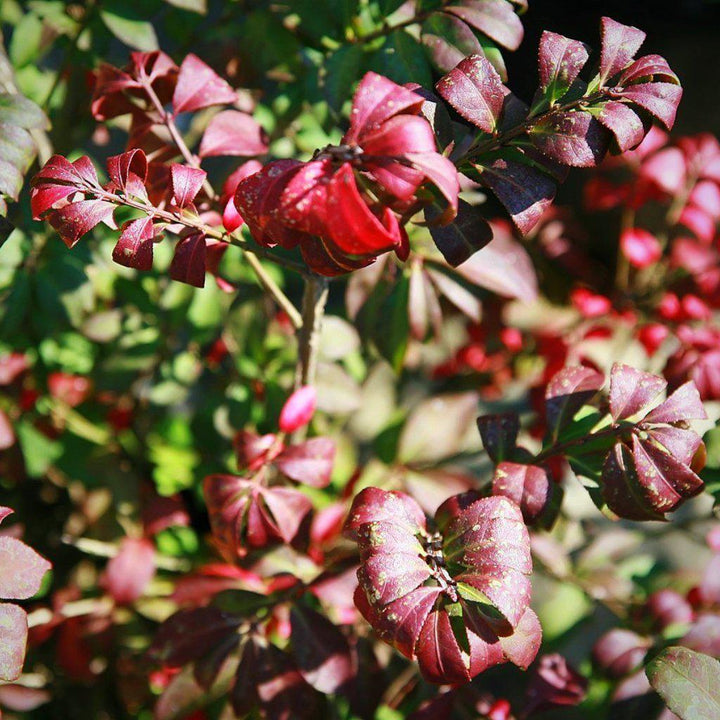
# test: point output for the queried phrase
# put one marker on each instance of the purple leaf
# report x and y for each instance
(199, 86)
(688, 682)
(374, 505)
(619, 45)
(646, 68)
(632, 390)
(554, 683)
(560, 60)
(232, 132)
(566, 393)
(13, 639)
(572, 138)
(128, 172)
(438, 654)
(73, 221)
(464, 236)
(321, 651)
(186, 183)
(188, 263)
(310, 462)
(135, 245)
(503, 267)
(528, 486)
(524, 191)
(659, 99)
(189, 634)
(284, 510)
(623, 123)
(618, 652)
(494, 18)
(475, 90)
(499, 434)
(448, 40)
(22, 569)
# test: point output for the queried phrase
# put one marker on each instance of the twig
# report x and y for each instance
(262, 275)
(313, 308)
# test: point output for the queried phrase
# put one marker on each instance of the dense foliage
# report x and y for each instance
(325, 408)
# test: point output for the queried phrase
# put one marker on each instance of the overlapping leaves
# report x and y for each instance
(457, 600)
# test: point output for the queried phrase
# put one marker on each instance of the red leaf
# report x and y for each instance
(284, 510)
(128, 171)
(13, 639)
(619, 45)
(443, 174)
(253, 451)
(232, 132)
(566, 393)
(188, 263)
(570, 138)
(625, 125)
(22, 569)
(310, 462)
(560, 60)
(134, 247)
(73, 221)
(475, 90)
(438, 654)
(199, 86)
(321, 650)
(524, 191)
(632, 390)
(129, 572)
(555, 683)
(660, 99)
(376, 100)
(374, 505)
(494, 18)
(186, 183)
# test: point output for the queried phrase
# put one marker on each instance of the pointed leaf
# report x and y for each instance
(22, 569)
(566, 393)
(310, 462)
(233, 133)
(632, 390)
(186, 183)
(623, 123)
(199, 86)
(135, 245)
(499, 434)
(321, 650)
(74, 221)
(688, 681)
(494, 18)
(659, 99)
(524, 191)
(448, 40)
(684, 404)
(648, 67)
(571, 138)
(188, 263)
(464, 236)
(560, 60)
(475, 90)
(619, 45)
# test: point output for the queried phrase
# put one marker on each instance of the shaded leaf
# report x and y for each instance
(188, 263)
(310, 462)
(659, 99)
(494, 18)
(448, 40)
(499, 434)
(232, 132)
(134, 247)
(625, 125)
(129, 25)
(570, 138)
(566, 393)
(464, 236)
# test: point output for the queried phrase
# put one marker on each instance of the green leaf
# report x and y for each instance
(18, 110)
(688, 682)
(39, 451)
(26, 39)
(342, 70)
(196, 6)
(128, 25)
(393, 329)
(403, 59)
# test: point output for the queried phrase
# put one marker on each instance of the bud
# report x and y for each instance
(669, 608)
(232, 219)
(298, 409)
(589, 304)
(640, 247)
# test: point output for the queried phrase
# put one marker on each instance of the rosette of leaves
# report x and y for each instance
(22, 574)
(520, 154)
(456, 599)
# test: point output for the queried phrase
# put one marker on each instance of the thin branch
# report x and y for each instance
(313, 309)
(262, 275)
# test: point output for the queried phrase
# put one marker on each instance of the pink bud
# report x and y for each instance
(640, 247)
(589, 304)
(669, 306)
(652, 336)
(128, 573)
(71, 389)
(298, 409)
(713, 539)
(694, 308)
(699, 222)
(512, 339)
(232, 219)
(500, 710)
(665, 169)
